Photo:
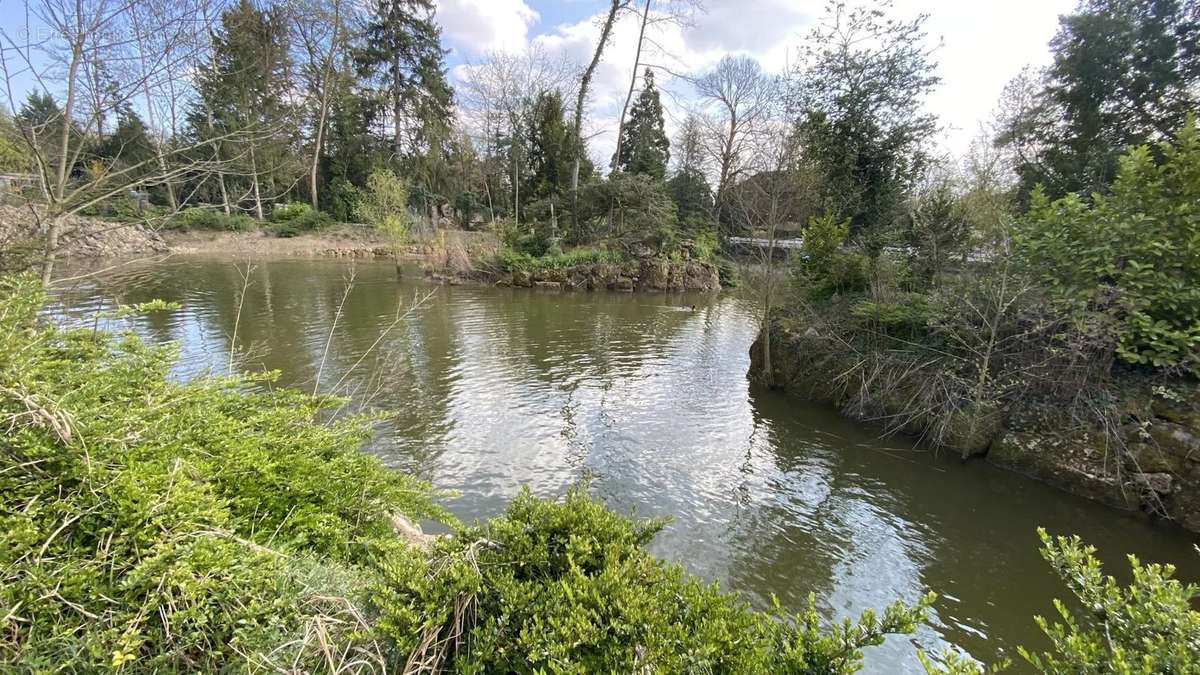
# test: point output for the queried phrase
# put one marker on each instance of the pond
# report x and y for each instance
(646, 397)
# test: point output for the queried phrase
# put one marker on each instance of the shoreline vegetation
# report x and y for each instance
(1069, 352)
(217, 525)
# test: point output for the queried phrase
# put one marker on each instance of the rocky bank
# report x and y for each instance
(635, 275)
(1151, 462)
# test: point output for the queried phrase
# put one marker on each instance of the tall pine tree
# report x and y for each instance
(644, 147)
(551, 149)
(403, 59)
(243, 99)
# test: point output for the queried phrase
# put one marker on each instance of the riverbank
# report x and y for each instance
(651, 274)
(1144, 456)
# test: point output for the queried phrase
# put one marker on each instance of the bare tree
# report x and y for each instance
(496, 91)
(92, 57)
(676, 12)
(322, 29)
(614, 9)
(775, 193)
(739, 95)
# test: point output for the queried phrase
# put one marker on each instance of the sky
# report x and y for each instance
(980, 46)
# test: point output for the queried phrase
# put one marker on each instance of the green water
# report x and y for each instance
(490, 389)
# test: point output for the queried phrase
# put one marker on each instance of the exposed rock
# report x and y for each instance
(1162, 483)
(1053, 462)
(549, 285)
(972, 429)
(622, 284)
(1149, 458)
(641, 250)
(1176, 439)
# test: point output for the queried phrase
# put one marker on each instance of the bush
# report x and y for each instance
(908, 313)
(152, 526)
(203, 218)
(704, 243)
(282, 213)
(1134, 253)
(626, 206)
(821, 268)
(568, 587)
(296, 217)
(1146, 627)
(383, 203)
(727, 272)
(511, 261)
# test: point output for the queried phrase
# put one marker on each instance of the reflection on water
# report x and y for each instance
(491, 389)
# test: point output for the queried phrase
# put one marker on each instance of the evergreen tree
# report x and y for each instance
(550, 149)
(351, 151)
(644, 146)
(403, 59)
(243, 91)
(1125, 73)
(40, 120)
(129, 145)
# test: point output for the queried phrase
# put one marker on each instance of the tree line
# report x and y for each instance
(242, 106)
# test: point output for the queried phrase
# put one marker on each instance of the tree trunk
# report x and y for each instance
(52, 232)
(316, 160)
(726, 169)
(397, 109)
(605, 31)
(637, 60)
(258, 207)
(224, 192)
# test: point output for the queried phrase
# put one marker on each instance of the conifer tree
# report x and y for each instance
(403, 60)
(244, 88)
(551, 149)
(644, 147)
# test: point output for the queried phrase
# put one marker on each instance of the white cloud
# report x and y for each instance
(473, 27)
(983, 45)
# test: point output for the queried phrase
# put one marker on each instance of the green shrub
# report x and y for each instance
(282, 213)
(704, 243)
(511, 261)
(727, 272)
(383, 203)
(203, 218)
(567, 587)
(1134, 253)
(822, 268)
(341, 200)
(907, 313)
(1144, 628)
(152, 526)
(295, 217)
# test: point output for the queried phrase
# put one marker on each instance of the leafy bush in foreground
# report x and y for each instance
(567, 587)
(149, 525)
